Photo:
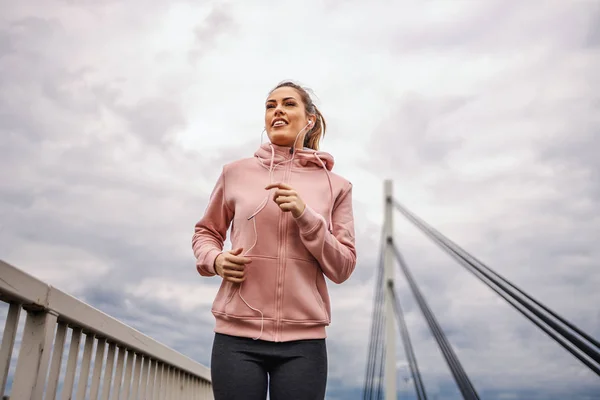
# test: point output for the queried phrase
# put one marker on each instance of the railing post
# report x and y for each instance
(388, 265)
(8, 342)
(34, 355)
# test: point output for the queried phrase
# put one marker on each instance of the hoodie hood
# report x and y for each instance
(270, 155)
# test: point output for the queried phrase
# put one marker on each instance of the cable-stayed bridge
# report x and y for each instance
(119, 362)
(380, 381)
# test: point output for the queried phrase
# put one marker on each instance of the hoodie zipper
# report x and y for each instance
(283, 228)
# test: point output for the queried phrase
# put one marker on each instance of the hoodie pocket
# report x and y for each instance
(257, 292)
(223, 296)
(302, 302)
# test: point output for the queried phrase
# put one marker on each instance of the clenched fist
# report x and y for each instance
(231, 266)
(287, 199)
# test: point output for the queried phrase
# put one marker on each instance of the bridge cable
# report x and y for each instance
(375, 342)
(460, 376)
(408, 349)
(457, 249)
(526, 305)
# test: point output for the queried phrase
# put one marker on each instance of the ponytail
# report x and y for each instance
(313, 137)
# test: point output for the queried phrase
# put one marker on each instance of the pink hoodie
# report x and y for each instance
(284, 296)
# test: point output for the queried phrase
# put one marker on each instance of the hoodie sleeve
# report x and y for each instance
(335, 251)
(211, 231)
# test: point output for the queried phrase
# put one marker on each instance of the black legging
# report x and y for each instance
(243, 368)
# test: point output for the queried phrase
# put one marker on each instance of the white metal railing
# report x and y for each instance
(144, 369)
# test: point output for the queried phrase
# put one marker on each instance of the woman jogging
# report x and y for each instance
(292, 225)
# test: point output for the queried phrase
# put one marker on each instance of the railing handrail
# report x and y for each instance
(20, 287)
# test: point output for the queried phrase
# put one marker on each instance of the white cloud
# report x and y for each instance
(186, 296)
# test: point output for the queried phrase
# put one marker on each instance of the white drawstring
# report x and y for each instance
(252, 217)
(262, 317)
(262, 205)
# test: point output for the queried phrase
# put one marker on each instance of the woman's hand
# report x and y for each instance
(231, 266)
(287, 199)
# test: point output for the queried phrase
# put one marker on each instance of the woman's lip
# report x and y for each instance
(278, 120)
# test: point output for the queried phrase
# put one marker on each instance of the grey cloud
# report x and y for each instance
(495, 26)
(33, 28)
(90, 3)
(95, 5)
(71, 91)
(577, 153)
(468, 29)
(593, 37)
(218, 22)
(32, 79)
(6, 45)
(51, 168)
(161, 239)
(193, 336)
(411, 140)
(155, 120)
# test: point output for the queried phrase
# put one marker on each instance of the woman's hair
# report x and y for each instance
(313, 137)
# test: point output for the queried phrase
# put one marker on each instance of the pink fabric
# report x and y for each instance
(284, 296)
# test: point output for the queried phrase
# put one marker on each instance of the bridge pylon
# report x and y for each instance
(388, 279)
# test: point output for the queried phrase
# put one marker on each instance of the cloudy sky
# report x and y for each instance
(116, 117)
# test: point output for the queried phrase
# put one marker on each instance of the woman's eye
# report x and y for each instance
(288, 104)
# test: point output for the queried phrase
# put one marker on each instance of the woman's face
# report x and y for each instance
(285, 117)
